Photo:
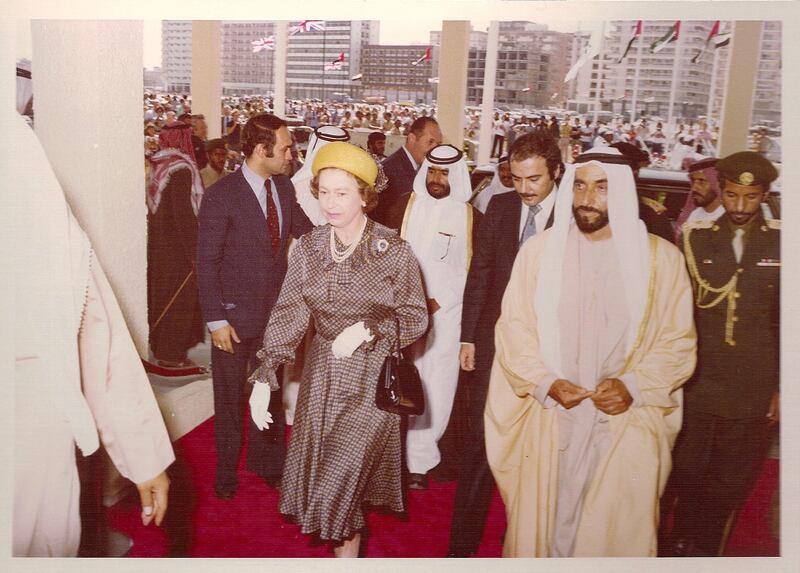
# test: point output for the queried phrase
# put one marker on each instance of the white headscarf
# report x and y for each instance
(51, 265)
(631, 245)
(496, 187)
(431, 217)
(301, 180)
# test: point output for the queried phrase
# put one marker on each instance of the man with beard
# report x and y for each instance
(703, 203)
(732, 400)
(439, 224)
(501, 183)
(215, 170)
(511, 219)
(594, 340)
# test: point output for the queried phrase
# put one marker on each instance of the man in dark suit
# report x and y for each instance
(732, 401)
(510, 219)
(402, 165)
(244, 226)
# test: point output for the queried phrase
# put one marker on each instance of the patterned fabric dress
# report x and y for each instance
(344, 452)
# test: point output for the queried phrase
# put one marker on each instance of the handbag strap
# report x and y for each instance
(397, 328)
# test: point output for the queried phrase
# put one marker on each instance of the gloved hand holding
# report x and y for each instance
(259, 406)
(349, 339)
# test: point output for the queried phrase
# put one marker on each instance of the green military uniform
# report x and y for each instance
(737, 307)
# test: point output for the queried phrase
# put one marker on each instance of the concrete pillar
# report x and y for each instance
(740, 81)
(453, 80)
(279, 67)
(487, 105)
(207, 73)
(88, 85)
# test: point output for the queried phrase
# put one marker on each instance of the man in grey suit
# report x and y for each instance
(401, 166)
(243, 233)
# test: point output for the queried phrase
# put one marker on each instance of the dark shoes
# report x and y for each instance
(417, 481)
(226, 494)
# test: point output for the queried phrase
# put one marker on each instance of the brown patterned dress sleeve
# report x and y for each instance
(288, 322)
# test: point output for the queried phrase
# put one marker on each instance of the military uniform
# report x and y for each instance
(725, 427)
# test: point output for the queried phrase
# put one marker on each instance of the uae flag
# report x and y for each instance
(335, 64)
(263, 44)
(589, 53)
(637, 31)
(423, 58)
(714, 39)
(671, 35)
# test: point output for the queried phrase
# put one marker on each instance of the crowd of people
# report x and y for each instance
(601, 365)
(570, 395)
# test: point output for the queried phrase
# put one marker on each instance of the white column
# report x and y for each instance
(737, 101)
(487, 104)
(635, 101)
(207, 73)
(279, 67)
(83, 70)
(676, 66)
(453, 80)
(600, 62)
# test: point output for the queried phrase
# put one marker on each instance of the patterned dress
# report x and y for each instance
(344, 452)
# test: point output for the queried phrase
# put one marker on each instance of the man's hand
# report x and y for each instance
(466, 356)
(153, 495)
(224, 337)
(433, 306)
(611, 397)
(774, 412)
(568, 394)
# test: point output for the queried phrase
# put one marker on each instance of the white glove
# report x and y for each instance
(349, 339)
(259, 406)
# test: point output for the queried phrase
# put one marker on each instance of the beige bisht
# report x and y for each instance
(620, 510)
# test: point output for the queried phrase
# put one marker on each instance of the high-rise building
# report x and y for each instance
(614, 83)
(176, 55)
(399, 73)
(309, 73)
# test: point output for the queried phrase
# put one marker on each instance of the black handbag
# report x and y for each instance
(399, 388)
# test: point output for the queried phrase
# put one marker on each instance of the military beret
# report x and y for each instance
(346, 157)
(747, 168)
(215, 144)
(705, 163)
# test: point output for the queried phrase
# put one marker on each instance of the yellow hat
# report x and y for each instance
(346, 157)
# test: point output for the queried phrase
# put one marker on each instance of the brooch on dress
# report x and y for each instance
(382, 245)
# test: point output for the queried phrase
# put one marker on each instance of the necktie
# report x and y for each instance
(530, 224)
(273, 227)
(738, 244)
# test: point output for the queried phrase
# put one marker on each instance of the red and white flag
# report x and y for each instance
(423, 58)
(307, 26)
(336, 64)
(263, 44)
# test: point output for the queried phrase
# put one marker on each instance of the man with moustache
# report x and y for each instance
(440, 226)
(244, 226)
(501, 183)
(215, 170)
(594, 339)
(534, 163)
(401, 166)
(732, 401)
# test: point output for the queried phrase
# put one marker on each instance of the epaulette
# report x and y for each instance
(697, 224)
(653, 204)
(773, 224)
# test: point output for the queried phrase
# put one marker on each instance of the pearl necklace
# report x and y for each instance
(339, 256)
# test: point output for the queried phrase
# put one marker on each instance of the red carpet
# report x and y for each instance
(200, 525)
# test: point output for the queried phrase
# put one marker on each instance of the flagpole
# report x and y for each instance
(599, 72)
(675, 71)
(324, 60)
(711, 88)
(636, 74)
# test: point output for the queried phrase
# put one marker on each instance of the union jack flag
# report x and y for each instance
(263, 44)
(307, 26)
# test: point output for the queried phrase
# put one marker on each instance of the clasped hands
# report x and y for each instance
(610, 397)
